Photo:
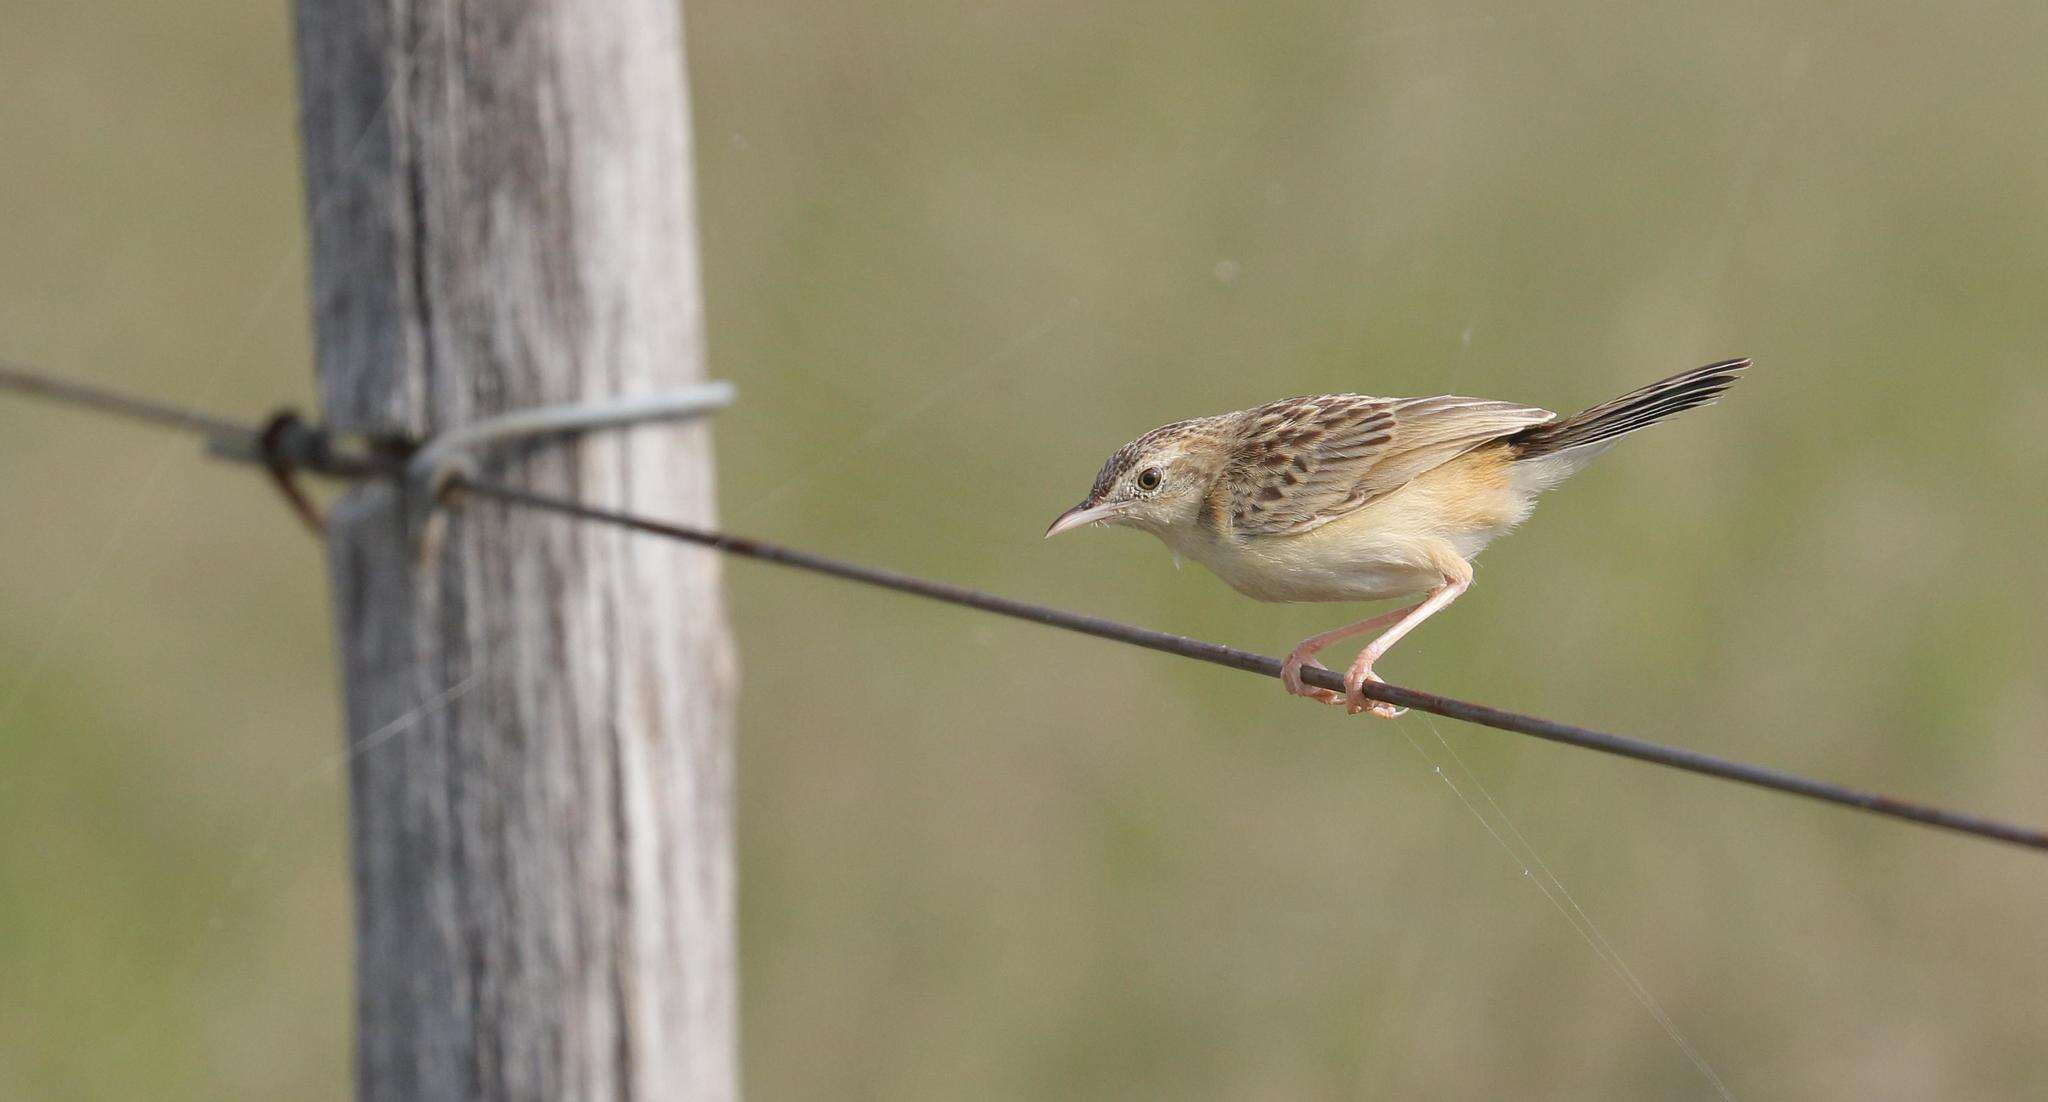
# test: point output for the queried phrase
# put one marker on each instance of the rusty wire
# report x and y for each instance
(286, 445)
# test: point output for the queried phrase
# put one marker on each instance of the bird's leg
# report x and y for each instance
(1304, 654)
(1361, 668)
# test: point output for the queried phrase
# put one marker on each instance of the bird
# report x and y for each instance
(1348, 497)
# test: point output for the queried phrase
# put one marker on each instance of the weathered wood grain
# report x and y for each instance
(501, 213)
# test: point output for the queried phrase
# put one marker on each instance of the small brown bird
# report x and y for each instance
(1344, 497)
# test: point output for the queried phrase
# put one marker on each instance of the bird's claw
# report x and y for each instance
(1355, 700)
(1290, 677)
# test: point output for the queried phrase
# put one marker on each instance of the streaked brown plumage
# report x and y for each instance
(1345, 497)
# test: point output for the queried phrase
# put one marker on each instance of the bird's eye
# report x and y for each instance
(1148, 479)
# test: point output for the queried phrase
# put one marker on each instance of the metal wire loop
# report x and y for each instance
(437, 465)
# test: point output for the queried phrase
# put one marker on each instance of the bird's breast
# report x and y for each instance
(1335, 562)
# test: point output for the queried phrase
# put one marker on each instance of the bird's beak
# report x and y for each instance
(1081, 514)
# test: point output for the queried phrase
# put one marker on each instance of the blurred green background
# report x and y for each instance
(958, 253)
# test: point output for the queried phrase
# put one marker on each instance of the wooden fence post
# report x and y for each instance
(502, 216)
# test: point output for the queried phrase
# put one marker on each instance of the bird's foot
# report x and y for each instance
(1290, 676)
(1355, 700)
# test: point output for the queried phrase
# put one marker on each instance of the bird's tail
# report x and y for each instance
(1631, 411)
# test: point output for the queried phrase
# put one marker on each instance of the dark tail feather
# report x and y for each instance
(1631, 411)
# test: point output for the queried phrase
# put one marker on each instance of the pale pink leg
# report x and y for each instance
(1304, 654)
(1361, 669)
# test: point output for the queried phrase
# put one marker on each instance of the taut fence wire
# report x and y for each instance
(286, 445)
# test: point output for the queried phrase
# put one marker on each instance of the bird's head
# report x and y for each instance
(1157, 482)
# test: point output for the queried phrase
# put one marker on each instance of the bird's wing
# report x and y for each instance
(1304, 462)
